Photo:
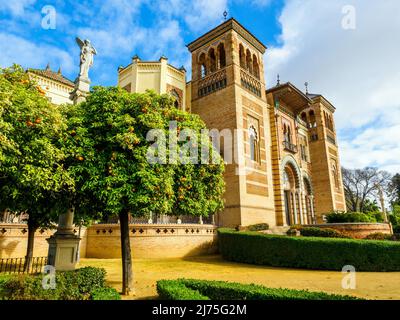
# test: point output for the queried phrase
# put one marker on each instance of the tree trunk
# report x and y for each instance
(126, 254)
(29, 250)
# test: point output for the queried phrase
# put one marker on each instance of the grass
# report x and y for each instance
(370, 285)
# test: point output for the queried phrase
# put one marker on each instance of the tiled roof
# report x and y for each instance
(56, 76)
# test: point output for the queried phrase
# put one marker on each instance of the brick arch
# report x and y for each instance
(307, 178)
(289, 160)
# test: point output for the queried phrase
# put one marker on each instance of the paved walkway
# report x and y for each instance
(370, 285)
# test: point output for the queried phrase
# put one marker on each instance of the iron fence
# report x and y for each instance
(17, 265)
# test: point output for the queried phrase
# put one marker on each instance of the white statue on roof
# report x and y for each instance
(86, 57)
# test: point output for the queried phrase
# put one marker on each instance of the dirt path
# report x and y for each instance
(371, 285)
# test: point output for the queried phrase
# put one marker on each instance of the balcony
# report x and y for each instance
(250, 83)
(213, 82)
(288, 146)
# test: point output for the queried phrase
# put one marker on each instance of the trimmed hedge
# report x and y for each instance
(258, 227)
(177, 290)
(321, 232)
(183, 289)
(343, 217)
(308, 253)
(81, 284)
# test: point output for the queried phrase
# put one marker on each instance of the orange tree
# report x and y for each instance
(106, 139)
(32, 177)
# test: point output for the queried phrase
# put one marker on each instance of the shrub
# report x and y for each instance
(219, 290)
(343, 217)
(70, 285)
(378, 236)
(376, 216)
(258, 227)
(293, 232)
(308, 252)
(321, 232)
(176, 290)
(381, 236)
(105, 293)
(396, 229)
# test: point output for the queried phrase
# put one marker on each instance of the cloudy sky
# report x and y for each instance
(348, 50)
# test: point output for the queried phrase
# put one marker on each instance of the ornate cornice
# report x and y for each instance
(230, 24)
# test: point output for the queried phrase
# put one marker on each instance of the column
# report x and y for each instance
(64, 244)
(299, 197)
(294, 207)
(311, 197)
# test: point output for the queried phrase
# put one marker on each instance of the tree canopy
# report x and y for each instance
(32, 175)
(108, 141)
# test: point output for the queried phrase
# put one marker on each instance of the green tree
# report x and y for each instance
(394, 189)
(32, 177)
(108, 159)
(362, 184)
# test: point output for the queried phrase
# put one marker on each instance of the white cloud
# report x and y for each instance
(355, 69)
(28, 54)
(16, 7)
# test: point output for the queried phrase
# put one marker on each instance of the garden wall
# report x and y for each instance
(358, 230)
(103, 241)
(152, 240)
(14, 239)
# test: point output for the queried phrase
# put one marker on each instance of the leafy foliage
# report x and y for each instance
(380, 236)
(106, 139)
(308, 252)
(32, 176)
(189, 289)
(258, 227)
(321, 232)
(82, 284)
(343, 217)
(177, 290)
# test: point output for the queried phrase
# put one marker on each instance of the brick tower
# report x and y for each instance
(324, 153)
(228, 92)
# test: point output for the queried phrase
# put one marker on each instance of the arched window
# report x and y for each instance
(304, 117)
(242, 56)
(249, 63)
(213, 60)
(254, 152)
(202, 65)
(286, 134)
(221, 55)
(177, 99)
(286, 181)
(256, 68)
(313, 121)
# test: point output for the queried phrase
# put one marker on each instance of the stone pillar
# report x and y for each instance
(295, 208)
(64, 244)
(82, 88)
(312, 209)
(299, 197)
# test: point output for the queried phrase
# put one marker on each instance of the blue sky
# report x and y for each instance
(355, 67)
(100, 21)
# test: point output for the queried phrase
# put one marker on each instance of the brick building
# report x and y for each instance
(288, 151)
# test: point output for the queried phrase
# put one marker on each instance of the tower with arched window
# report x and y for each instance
(228, 92)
